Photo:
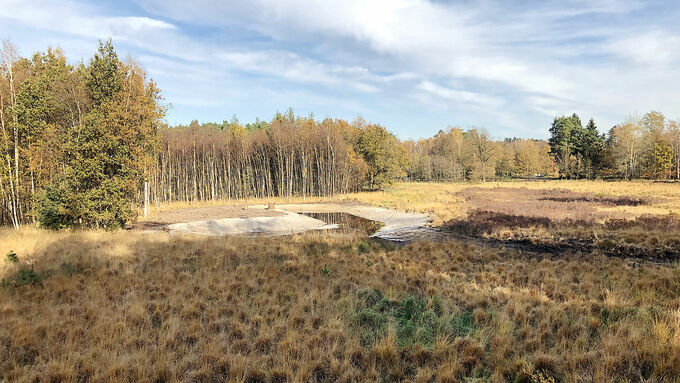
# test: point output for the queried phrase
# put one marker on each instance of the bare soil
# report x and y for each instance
(163, 218)
(397, 226)
(556, 222)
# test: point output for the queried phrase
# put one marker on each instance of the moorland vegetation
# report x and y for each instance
(100, 306)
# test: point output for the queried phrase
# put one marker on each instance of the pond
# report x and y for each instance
(347, 222)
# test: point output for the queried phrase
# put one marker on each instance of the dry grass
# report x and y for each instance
(552, 216)
(440, 200)
(435, 199)
(107, 307)
(559, 220)
(158, 308)
(443, 202)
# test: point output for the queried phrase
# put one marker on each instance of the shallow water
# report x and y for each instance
(347, 222)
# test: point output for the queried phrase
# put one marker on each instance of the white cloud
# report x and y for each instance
(460, 96)
(601, 58)
(295, 68)
(75, 18)
(653, 48)
(62, 17)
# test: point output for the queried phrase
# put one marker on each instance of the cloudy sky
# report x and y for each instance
(415, 66)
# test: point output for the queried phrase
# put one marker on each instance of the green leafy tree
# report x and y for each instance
(385, 156)
(663, 159)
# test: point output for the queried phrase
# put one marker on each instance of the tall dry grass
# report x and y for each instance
(109, 307)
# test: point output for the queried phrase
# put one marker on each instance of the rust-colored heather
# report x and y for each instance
(552, 204)
(110, 307)
(443, 202)
(558, 220)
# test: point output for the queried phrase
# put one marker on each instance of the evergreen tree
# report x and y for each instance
(108, 153)
(564, 136)
(590, 150)
(578, 151)
(104, 79)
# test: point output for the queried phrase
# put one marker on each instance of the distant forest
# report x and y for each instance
(85, 145)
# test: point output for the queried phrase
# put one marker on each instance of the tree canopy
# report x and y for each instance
(81, 137)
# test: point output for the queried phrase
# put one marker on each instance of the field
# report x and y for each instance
(441, 200)
(594, 295)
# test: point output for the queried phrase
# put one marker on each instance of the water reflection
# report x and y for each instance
(347, 222)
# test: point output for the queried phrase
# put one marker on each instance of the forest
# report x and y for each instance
(86, 145)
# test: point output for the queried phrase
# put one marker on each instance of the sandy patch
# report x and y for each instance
(163, 218)
(397, 226)
(282, 224)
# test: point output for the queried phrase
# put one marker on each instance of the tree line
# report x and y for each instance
(290, 155)
(471, 155)
(86, 145)
(644, 146)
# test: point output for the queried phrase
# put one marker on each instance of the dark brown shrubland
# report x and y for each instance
(133, 307)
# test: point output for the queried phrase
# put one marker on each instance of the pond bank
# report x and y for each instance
(397, 226)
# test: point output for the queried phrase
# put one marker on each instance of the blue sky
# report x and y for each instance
(414, 66)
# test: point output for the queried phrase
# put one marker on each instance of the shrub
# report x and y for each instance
(463, 324)
(372, 325)
(22, 278)
(364, 247)
(416, 322)
(60, 205)
(12, 257)
(52, 206)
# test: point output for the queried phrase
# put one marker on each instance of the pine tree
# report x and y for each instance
(104, 80)
(109, 152)
(591, 149)
(565, 134)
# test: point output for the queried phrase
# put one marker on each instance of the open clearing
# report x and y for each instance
(596, 299)
(634, 220)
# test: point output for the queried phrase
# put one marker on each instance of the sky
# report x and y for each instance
(413, 66)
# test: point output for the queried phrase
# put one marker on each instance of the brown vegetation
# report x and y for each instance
(553, 203)
(559, 220)
(443, 202)
(130, 307)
